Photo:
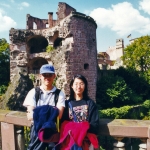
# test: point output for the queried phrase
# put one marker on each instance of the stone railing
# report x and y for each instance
(120, 128)
(12, 137)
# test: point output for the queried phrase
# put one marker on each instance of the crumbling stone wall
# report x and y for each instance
(16, 92)
(64, 10)
(41, 23)
(74, 39)
(116, 53)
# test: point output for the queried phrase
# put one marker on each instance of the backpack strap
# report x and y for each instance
(57, 91)
(38, 94)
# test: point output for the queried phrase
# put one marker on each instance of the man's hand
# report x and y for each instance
(30, 113)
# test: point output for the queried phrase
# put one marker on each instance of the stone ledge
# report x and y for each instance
(14, 117)
(125, 128)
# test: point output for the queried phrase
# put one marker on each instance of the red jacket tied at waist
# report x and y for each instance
(78, 133)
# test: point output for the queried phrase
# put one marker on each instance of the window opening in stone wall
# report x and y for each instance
(86, 66)
(36, 44)
(36, 64)
(54, 40)
(70, 35)
(47, 25)
(58, 42)
(34, 25)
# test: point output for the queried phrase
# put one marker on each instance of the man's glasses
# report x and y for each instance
(47, 75)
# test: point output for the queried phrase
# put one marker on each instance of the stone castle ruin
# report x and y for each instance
(73, 37)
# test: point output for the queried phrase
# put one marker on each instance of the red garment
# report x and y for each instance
(78, 130)
(93, 139)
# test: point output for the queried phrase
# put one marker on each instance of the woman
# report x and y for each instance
(80, 108)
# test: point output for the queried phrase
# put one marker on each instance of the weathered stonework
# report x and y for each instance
(73, 35)
(16, 92)
(115, 53)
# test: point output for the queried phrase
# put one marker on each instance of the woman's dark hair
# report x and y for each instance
(85, 92)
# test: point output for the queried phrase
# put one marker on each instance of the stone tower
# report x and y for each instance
(73, 37)
(116, 52)
(119, 47)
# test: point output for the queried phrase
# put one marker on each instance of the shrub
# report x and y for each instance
(3, 88)
(112, 91)
(135, 81)
(128, 112)
(49, 48)
(32, 77)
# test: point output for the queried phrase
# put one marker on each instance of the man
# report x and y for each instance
(47, 95)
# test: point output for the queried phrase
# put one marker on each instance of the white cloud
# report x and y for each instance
(145, 6)
(121, 18)
(22, 5)
(25, 4)
(6, 22)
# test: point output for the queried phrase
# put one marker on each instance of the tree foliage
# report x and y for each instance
(135, 81)
(112, 91)
(4, 62)
(137, 54)
(128, 112)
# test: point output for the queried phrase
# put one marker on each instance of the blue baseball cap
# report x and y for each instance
(47, 68)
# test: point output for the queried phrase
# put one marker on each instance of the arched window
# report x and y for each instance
(58, 42)
(34, 25)
(37, 44)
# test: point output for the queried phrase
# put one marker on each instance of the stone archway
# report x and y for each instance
(35, 64)
(34, 69)
(36, 44)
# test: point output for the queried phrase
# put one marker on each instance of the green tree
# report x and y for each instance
(112, 91)
(136, 82)
(137, 54)
(4, 62)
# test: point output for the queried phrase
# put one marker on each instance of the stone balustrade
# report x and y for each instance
(12, 137)
(120, 128)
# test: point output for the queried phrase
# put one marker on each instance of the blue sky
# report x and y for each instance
(115, 18)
